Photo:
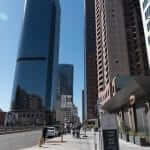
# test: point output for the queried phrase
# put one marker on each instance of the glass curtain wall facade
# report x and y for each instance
(66, 79)
(37, 58)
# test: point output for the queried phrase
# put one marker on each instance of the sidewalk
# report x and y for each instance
(128, 146)
(69, 143)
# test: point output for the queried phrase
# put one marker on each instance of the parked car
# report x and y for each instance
(51, 132)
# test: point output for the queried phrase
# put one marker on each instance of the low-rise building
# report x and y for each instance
(2, 118)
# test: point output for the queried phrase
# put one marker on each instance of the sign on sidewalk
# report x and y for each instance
(109, 132)
(110, 138)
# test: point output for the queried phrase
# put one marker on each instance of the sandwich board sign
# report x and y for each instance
(109, 132)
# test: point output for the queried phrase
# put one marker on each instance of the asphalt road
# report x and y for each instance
(18, 141)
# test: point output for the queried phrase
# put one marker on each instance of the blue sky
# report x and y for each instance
(71, 44)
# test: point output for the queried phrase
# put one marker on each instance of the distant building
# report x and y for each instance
(70, 114)
(90, 63)
(2, 117)
(75, 110)
(65, 77)
(83, 106)
(64, 92)
(66, 101)
(37, 60)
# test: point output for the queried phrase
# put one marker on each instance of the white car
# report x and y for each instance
(51, 132)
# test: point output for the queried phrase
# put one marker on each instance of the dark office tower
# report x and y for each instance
(138, 59)
(65, 77)
(90, 60)
(37, 59)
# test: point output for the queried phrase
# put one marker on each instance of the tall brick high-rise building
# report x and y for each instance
(90, 60)
(120, 43)
(122, 64)
(112, 51)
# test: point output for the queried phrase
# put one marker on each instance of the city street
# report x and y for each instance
(19, 140)
(30, 140)
(75, 75)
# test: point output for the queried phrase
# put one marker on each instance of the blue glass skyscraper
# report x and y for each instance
(38, 57)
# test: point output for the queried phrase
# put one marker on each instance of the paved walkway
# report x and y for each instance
(128, 146)
(71, 143)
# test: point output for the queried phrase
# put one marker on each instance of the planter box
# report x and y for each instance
(140, 141)
(125, 137)
(131, 139)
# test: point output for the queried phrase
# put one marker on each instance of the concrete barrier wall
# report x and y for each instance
(16, 130)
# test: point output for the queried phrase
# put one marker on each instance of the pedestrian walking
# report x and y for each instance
(78, 131)
(73, 131)
(44, 133)
(43, 137)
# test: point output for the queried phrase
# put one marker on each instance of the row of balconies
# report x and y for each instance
(101, 48)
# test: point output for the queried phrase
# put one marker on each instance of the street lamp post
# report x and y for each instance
(85, 126)
(100, 111)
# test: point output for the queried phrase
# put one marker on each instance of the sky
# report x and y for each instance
(71, 44)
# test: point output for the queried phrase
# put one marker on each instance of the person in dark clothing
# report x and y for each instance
(44, 132)
(73, 131)
(78, 131)
(43, 137)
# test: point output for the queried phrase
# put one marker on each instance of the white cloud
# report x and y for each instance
(3, 16)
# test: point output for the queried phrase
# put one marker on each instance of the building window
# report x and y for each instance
(147, 13)
(116, 61)
(149, 40)
(145, 3)
(148, 26)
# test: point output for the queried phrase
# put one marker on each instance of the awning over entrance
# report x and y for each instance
(136, 86)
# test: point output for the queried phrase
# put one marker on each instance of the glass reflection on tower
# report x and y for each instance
(66, 72)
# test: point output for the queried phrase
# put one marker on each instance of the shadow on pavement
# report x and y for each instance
(56, 142)
(83, 138)
(43, 146)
